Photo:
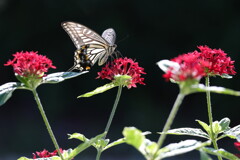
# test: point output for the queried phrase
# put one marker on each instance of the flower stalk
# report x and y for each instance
(210, 117)
(40, 107)
(113, 109)
(170, 120)
(110, 118)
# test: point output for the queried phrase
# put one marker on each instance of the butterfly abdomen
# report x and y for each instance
(82, 58)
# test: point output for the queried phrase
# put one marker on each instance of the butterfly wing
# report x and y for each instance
(82, 35)
(110, 36)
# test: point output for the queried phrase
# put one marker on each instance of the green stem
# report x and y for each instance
(210, 117)
(170, 119)
(113, 110)
(40, 107)
(98, 154)
(110, 119)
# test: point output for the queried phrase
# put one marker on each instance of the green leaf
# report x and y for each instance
(120, 141)
(226, 76)
(205, 126)
(117, 142)
(136, 138)
(214, 89)
(216, 127)
(87, 143)
(233, 132)
(188, 131)
(6, 91)
(78, 136)
(224, 123)
(180, 148)
(150, 148)
(204, 155)
(61, 76)
(220, 152)
(133, 136)
(164, 65)
(98, 90)
(101, 143)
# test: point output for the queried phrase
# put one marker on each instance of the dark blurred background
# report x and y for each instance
(147, 31)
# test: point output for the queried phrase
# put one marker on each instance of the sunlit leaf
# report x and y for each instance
(214, 89)
(78, 136)
(136, 138)
(164, 65)
(117, 142)
(133, 136)
(216, 127)
(98, 90)
(180, 148)
(220, 152)
(87, 143)
(233, 132)
(188, 131)
(204, 125)
(61, 76)
(226, 76)
(6, 91)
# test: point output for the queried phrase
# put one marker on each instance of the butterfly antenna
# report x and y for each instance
(126, 37)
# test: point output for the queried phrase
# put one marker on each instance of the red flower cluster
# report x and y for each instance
(237, 145)
(45, 154)
(190, 67)
(196, 65)
(123, 66)
(30, 64)
(219, 63)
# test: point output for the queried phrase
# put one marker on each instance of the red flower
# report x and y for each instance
(219, 63)
(123, 66)
(45, 154)
(189, 67)
(237, 145)
(30, 64)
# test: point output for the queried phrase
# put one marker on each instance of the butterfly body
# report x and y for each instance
(91, 47)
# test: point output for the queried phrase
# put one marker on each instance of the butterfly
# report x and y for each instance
(91, 47)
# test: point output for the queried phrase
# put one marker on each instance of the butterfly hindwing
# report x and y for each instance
(110, 36)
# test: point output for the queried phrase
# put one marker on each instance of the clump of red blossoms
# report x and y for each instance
(190, 68)
(237, 145)
(123, 66)
(45, 154)
(219, 63)
(30, 64)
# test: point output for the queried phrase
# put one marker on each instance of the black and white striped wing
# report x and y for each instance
(82, 35)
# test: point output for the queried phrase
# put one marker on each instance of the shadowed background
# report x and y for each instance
(147, 31)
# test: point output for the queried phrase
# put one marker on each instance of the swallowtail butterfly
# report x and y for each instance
(91, 47)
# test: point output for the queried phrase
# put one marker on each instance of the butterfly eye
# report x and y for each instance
(91, 47)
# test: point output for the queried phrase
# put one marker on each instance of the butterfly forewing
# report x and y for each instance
(82, 35)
